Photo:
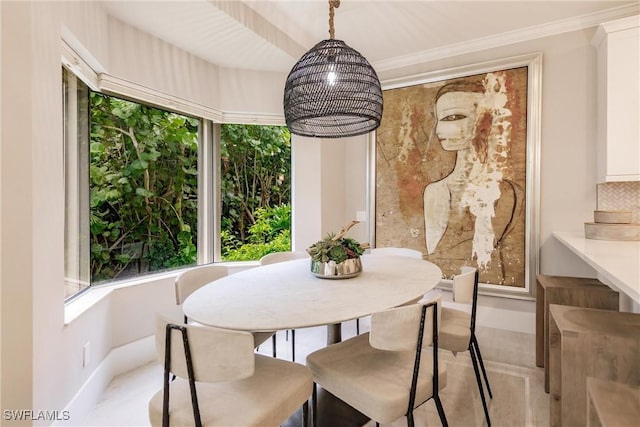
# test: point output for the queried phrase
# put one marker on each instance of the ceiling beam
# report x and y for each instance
(264, 27)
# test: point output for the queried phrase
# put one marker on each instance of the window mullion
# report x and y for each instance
(206, 203)
(214, 192)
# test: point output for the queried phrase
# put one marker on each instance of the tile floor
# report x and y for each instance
(518, 386)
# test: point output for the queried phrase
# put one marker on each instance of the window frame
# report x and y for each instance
(209, 169)
(76, 184)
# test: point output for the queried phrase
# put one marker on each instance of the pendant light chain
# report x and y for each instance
(332, 4)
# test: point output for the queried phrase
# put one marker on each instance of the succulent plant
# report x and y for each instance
(336, 247)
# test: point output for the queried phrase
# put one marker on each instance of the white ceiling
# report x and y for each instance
(272, 35)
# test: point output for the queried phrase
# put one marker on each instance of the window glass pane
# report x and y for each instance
(131, 180)
(143, 182)
(256, 191)
(76, 156)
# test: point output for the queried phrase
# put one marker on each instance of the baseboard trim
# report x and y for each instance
(119, 360)
(499, 313)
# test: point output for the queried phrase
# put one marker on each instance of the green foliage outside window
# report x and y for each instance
(143, 189)
(143, 201)
(256, 191)
(270, 233)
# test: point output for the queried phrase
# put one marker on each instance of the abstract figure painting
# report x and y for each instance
(451, 173)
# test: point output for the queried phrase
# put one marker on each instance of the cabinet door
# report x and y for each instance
(618, 49)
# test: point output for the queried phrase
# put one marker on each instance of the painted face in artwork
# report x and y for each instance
(456, 112)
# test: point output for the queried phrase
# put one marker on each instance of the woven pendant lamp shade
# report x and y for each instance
(332, 92)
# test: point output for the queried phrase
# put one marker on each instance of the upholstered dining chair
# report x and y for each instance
(457, 331)
(193, 279)
(412, 253)
(222, 381)
(276, 257)
(397, 251)
(389, 371)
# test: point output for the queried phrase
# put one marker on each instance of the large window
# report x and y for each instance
(256, 191)
(143, 185)
(136, 192)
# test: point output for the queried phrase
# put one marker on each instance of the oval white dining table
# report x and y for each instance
(287, 295)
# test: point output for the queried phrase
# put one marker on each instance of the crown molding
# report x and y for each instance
(511, 37)
(613, 27)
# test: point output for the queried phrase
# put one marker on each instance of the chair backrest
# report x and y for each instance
(464, 285)
(397, 329)
(215, 354)
(191, 280)
(397, 251)
(275, 257)
(434, 295)
(465, 290)
(409, 328)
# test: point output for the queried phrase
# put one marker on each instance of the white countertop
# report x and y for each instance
(617, 262)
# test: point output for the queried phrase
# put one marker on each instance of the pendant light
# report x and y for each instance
(332, 91)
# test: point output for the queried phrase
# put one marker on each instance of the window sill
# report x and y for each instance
(96, 293)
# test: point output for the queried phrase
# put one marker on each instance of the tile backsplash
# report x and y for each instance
(620, 196)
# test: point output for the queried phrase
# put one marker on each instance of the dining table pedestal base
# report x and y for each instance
(334, 333)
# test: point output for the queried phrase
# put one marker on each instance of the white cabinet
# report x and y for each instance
(618, 50)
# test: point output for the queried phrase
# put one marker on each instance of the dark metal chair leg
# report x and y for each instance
(314, 405)
(273, 344)
(305, 414)
(410, 421)
(474, 342)
(293, 345)
(479, 381)
(357, 326)
(443, 417)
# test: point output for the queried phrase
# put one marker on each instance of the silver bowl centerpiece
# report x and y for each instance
(336, 256)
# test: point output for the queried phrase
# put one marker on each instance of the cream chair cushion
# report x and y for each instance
(455, 330)
(245, 402)
(412, 253)
(376, 381)
(193, 279)
(258, 337)
(456, 333)
(276, 257)
(463, 285)
(434, 295)
(235, 386)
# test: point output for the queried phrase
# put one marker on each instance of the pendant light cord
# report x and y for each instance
(332, 4)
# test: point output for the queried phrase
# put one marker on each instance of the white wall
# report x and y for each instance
(305, 192)
(41, 357)
(329, 186)
(16, 225)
